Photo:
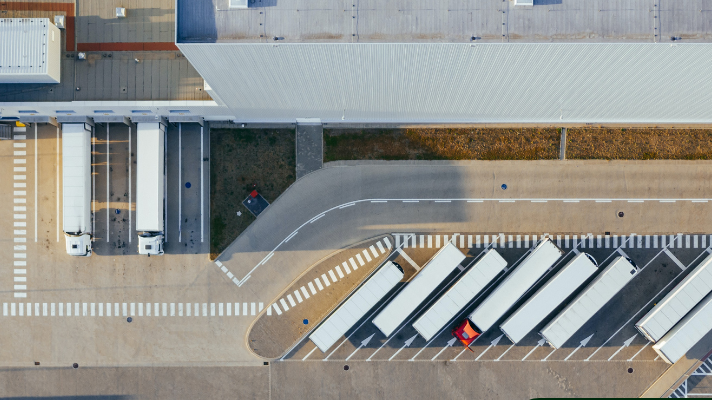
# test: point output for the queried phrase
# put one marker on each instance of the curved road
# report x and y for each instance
(348, 202)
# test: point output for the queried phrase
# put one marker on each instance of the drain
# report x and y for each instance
(620, 214)
(630, 370)
(346, 367)
(504, 186)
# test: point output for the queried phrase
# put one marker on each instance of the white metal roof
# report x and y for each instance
(541, 258)
(76, 178)
(29, 51)
(589, 301)
(353, 309)
(460, 294)
(418, 289)
(548, 297)
(150, 177)
(676, 343)
(550, 83)
(676, 304)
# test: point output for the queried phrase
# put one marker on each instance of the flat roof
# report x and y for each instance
(449, 21)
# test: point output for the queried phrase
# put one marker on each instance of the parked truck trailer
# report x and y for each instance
(678, 303)
(150, 176)
(554, 292)
(686, 333)
(419, 288)
(473, 282)
(76, 188)
(591, 299)
(515, 285)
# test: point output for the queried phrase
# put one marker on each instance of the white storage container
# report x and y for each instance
(30, 50)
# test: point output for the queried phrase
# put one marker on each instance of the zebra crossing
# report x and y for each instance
(564, 241)
(688, 388)
(131, 309)
(372, 252)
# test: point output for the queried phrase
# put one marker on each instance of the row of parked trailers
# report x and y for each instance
(676, 323)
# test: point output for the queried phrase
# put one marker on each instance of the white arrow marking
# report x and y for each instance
(625, 344)
(538, 344)
(641, 349)
(363, 344)
(310, 353)
(582, 344)
(449, 344)
(407, 344)
(505, 352)
(548, 355)
(494, 343)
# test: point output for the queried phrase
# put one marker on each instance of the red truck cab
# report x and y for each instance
(466, 332)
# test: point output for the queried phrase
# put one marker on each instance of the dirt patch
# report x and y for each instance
(441, 144)
(240, 160)
(273, 333)
(639, 144)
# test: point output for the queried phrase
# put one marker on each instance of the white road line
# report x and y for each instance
(165, 187)
(338, 271)
(674, 259)
(304, 292)
(318, 284)
(311, 287)
(180, 177)
(130, 184)
(548, 355)
(36, 184)
(407, 258)
(308, 354)
(297, 295)
(289, 297)
(505, 352)
(202, 193)
(108, 184)
(346, 267)
(639, 351)
(93, 179)
(57, 192)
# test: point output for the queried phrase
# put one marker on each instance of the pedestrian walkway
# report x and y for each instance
(310, 146)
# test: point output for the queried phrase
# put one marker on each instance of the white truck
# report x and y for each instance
(676, 304)
(419, 288)
(599, 292)
(460, 294)
(554, 292)
(76, 188)
(683, 337)
(515, 285)
(150, 212)
(356, 306)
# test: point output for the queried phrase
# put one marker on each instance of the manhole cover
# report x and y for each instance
(620, 214)
(117, 211)
(504, 186)
(630, 370)
(346, 367)
(305, 321)
(129, 319)
(75, 365)
(187, 185)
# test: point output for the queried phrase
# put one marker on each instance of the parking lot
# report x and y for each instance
(609, 336)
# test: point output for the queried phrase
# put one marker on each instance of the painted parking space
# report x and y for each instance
(608, 336)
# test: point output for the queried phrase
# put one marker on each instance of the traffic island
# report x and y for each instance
(314, 295)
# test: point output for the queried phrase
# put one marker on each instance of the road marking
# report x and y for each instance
(290, 298)
(318, 284)
(346, 205)
(279, 312)
(298, 295)
(505, 352)
(639, 351)
(346, 267)
(360, 260)
(333, 276)
(407, 258)
(411, 201)
(180, 181)
(202, 191)
(492, 344)
(282, 302)
(36, 183)
(548, 355)
(338, 271)
(674, 259)
(93, 179)
(311, 287)
(381, 248)
(325, 279)
(364, 343)
(131, 184)
(368, 257)
(625, 344)
(308, 354)
(538, 344)
(375, 253)
(108, 184)
(57, 214)
(406, 344)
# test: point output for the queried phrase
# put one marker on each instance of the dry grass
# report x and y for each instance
(240, 159)
(441, 144)
(639, 144)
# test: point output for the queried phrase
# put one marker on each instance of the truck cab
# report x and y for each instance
(466, 332)
(150, 244)
(78, 245)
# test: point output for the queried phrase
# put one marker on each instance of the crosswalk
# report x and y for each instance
(370, 254)
(564, 241)
(683, 391)
(19, 218)
(131, 309)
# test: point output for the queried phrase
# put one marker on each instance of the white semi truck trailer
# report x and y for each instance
(76, 184)
(150, 211)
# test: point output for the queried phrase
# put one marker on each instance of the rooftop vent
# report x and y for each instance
(238, 3)
(120, 12)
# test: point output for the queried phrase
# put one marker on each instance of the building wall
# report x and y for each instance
(460, 83)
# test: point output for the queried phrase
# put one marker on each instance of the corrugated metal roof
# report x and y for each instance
(534, 266)
(676, 304)
(356, 306)
(450, 83)
(150, 176)
(676, 343)
(417, 290)
(76, 178)
(25, 50)
(460, 294)
(599, 292)
(548, 297)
